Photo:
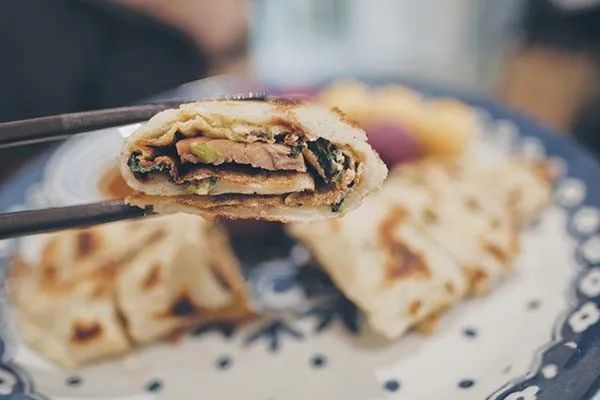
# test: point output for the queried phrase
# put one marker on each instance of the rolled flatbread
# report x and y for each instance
(99, 292)
(271, 160)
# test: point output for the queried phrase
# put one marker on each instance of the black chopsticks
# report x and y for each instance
(58, 127)
(38, 221)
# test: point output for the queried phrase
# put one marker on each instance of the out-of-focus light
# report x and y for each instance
(575, 4)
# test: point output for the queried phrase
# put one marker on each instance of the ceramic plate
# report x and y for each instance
(537, 336)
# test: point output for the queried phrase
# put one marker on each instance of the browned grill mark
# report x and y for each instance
(430, 323)
(285, 103)
(401, 260)
(101, 290)
(48, 273)
(152, 278)
(344, 118)
(497, 252)
(430, 216)
(156, 236)
(472, 203)
(105, 274)
(104, 277)
(476, 276)
(414, 307)
(85, 332)
(404, 262)
(449, 286)
(175, 336)
(87, 243)
(106, 271)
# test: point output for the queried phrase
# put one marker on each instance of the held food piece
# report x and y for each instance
(99, 292)
(269, 160)
(435, 232)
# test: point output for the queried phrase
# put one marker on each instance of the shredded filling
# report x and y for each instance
(303, 172)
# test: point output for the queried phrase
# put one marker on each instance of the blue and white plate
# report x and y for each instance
(537, 336)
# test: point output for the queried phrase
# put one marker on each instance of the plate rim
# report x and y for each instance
(586, 168)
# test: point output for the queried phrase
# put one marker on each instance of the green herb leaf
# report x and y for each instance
(297, 149)
(337, 177)
(325, 156)
(337, 207)
(134, 165)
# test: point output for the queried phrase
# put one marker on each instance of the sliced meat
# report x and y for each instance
(272, 157)
(245, 180)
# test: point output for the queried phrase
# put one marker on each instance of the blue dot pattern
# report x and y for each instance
(470, 332)
(74, 381)
(224, 362)
(533, 305)
(318, 361)
(154, 386)
(465, 383)
(392, 385)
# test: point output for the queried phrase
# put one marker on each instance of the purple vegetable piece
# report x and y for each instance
(394, 142)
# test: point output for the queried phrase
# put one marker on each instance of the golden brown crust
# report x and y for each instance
(402, 261)
(152, 278)
(285, 103)
(429, 325)
(127, 288)
(345, 118)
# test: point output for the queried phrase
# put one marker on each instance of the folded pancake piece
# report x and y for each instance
(187, 276)
(383, 260)
(458, 221)
(270, 160)
(471, 222)
(98, 292)
(69, 323)
(525, 186)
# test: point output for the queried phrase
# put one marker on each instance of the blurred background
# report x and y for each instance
(539, 56)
